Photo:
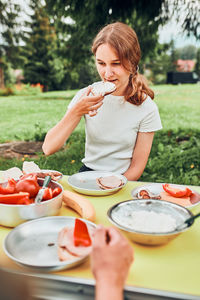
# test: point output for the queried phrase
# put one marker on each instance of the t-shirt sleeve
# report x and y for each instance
(76, 98)
(151, 121)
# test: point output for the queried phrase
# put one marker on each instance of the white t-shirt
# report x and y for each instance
(111, 134)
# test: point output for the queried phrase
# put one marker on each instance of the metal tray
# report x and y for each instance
(34, 244)
(85, 183)
(51, 287)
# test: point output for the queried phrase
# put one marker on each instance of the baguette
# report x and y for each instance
(80, 204)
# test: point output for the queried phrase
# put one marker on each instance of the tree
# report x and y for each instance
(173, 56)
(42, 65)
(9, 36)
(197, 65)
(187, 52)
(158, 64)
(89, 16)
(187, 14)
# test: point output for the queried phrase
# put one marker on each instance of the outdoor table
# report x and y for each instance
(170, 271)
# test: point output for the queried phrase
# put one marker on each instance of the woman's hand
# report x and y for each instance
(88, 104)
(57, 135)
(111, 258)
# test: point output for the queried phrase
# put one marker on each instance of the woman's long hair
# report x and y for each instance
(124, 41)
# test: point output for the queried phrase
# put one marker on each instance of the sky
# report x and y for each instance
(172, 30)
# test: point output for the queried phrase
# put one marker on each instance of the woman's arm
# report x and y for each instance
(57, 136)
(140, 155)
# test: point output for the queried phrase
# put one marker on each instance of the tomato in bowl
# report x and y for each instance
(18, 206)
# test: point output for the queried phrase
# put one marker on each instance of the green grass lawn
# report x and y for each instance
(24, 116)
(179, 105)
(29, 117)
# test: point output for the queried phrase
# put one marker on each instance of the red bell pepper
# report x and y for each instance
(56, 191)
(48, 194)
(17, 198)
(25, 201)
(81, 234)
(176, 192)
(10, 188)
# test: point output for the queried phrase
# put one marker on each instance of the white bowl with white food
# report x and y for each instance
(149, 221)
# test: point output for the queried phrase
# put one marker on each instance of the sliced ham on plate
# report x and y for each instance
(184, 201)
(66, 248)
(195, 198)
(109, 182)
(64, 255)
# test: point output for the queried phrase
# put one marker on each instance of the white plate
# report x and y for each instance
(156, 188)
(34, 244)
(85, 183)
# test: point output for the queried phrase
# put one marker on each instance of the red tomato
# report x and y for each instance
(56, 191)
(28, 185)
(24, 201)
(48, 194)
(10, 188)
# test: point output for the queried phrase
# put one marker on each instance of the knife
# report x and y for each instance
(40, 194)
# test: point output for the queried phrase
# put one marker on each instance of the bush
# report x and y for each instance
(37, 134)
(22, 89)
(27, 89)
(7, 91)
(175, 158)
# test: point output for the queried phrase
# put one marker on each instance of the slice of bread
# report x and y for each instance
(103, 88)
(30, 167)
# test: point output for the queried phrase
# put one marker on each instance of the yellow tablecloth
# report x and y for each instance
(173, 267)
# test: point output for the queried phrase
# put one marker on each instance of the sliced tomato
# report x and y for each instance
(10, 188)
(24, 201)
(177, 192)
(56, 191)
(48, 194)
